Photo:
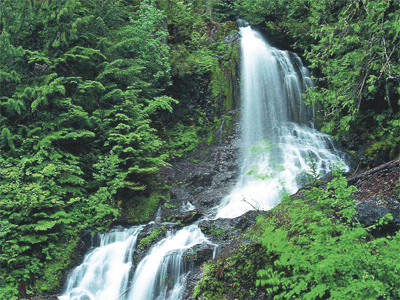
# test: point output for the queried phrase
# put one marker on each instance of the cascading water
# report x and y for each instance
(277, 132)
(277, 136)
(160, 275)
(104, 273)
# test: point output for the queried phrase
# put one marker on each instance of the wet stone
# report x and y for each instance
(370, 211)
(198, 254)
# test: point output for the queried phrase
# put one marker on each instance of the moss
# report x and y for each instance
(52, 276)
(233, 275)
(224, 81)
(216, 232)
(141, 209)
(148, 240)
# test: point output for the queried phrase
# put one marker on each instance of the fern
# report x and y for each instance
(320, 251)
(44, 225)
(7, 139)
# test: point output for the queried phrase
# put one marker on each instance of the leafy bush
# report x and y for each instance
(233, 276)
(319, 250)
(311, 246)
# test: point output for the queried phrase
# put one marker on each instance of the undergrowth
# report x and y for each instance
(319, 250)
(310, 248)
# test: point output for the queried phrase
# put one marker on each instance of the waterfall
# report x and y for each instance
(277, 129)
(161, 274)
(277, 139)
(104, 273)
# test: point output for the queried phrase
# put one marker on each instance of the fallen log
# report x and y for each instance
(386, 167)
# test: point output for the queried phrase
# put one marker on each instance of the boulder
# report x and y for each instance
(199, 254)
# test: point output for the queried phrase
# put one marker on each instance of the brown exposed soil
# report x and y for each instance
(382, 182)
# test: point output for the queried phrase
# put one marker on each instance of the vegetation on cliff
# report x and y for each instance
(311, 246)
(95, 97)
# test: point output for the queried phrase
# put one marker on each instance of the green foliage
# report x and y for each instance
(141, 209)
(311, 246)
(52, 273)
(182, 139)
(81, 83)
(87, 117)
(233, 276)
(318, 250)
(148, 240)
(203, 67)
(312, 176)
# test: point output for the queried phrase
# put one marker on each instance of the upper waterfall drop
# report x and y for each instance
(277, 128)
(277, 137)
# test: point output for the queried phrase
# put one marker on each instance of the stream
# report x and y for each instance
(278, 140)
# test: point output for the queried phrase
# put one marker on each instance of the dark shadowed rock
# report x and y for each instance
(187, 217)
(222, 178)
(222, 231)
(191, 280)
(370, 211)
(202, 178)
(198, 254)
(199, 190)
(377, 195)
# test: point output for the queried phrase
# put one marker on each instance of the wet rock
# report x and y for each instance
(150, 235)
(370, 211)
(234, 38)
(199, 190)
(222, 231)
(187, 217)
(192, 278)
(202, 178)
(198, 254)
(88, 240)
(147, 230)
(181, 193)
(86, 236)
(223, 178)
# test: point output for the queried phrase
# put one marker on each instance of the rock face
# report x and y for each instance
(204, 185)
(199, 254)
(378, 194)
(226, 234)
(371, 210)
(200, 184)
(202, 181)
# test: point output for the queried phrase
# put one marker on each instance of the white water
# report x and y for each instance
(277, 129)
(161, 274)
(104, 273)
(277, 136)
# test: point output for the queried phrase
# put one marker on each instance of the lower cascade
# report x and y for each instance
(278, 139)
(104, 273)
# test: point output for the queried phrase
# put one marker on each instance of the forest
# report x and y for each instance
(98, 96)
